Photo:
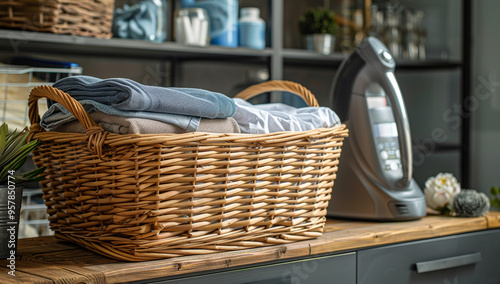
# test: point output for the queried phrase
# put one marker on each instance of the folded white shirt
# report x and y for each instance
(275, 117)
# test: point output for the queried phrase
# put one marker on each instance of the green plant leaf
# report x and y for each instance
(31, 176)
(15, 152)
(34, 173)
(495, 202)
(15, 141)
(14, 164)
(4, 130)
(318, 21)
(17, 149)
(495, 190)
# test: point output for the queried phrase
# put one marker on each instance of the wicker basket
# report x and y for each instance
(74, 17)
(144, 197)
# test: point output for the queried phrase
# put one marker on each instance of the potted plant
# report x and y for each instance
(14, 150)
(495, 198)
(319, 28)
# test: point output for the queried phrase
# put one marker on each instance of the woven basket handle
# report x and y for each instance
(275, 85)
(95, 134)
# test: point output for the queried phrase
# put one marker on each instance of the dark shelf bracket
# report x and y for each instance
(466, 87)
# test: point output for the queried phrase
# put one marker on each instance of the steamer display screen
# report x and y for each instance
(386, 129)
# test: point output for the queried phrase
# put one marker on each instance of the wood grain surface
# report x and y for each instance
(493, 219)
(46, 260)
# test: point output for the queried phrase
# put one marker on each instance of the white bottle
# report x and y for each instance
(252, 29)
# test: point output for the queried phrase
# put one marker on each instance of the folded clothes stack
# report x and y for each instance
(124, 106)
(179, 109)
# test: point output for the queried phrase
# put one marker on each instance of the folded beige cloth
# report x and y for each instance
(129, 125)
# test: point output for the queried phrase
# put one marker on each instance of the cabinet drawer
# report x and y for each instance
(330, 269)
(466, 258)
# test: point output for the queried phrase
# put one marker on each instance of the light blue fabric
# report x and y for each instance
(126, 94)
(138, 21)
(276, 117)
(57, 115)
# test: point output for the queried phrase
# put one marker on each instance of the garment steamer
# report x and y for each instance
(375, 173)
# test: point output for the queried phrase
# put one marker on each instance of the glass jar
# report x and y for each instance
(192, 27)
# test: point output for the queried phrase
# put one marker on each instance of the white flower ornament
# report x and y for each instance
(440, 189)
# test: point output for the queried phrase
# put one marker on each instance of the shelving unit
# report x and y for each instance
(25, 41)
(277, 58)
(433, 88)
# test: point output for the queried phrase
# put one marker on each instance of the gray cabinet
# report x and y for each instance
(467, 258)
(457, 259)
(337, 269)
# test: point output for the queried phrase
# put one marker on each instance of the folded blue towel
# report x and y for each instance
(138, 21)
(126, 94)
(57, 115)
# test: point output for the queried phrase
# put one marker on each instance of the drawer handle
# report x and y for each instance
(449, 262)
(270, 281)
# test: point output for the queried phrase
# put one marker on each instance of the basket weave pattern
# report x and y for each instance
(143, 197)
(73, 17)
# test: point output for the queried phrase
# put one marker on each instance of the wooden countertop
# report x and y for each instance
(45, 260)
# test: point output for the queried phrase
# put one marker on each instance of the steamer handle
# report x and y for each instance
(279, 85)
(95, 134)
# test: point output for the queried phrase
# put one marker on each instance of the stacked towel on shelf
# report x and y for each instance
(138, 21)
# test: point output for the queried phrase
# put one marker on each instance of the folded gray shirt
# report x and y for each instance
(57, 115)
(126, 94)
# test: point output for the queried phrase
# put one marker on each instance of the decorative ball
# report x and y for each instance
(470, 203)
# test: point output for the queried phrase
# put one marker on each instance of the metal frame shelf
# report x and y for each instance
(276, 57)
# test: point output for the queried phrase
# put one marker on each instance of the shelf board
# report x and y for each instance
(301, 57)
(314, 59)
(434, 64)
(438, 147)
(25, 41)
